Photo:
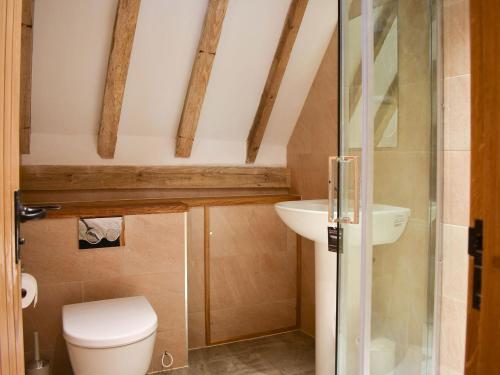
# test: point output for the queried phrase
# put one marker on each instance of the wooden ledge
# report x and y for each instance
(116, 208)
(115, 177)
(239, 200)
(157, 206)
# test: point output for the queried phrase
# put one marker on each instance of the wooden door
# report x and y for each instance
(483, 326)
(11, 338)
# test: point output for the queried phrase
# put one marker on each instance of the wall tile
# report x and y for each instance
(150, 264)
(196, 278)
(457, 113)
(64, 262)
(196, 327)
(251, 319)
(403, 179)
(173, 341)
(456, 36)
(453, 325)
(455, 262)
(443, 370)
(46, 317)
(153, 243)
(413, 41)
(456, 200)
(165, 292)
(414, 116)
(314, 139)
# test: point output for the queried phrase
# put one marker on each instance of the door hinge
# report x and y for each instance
(476, 251)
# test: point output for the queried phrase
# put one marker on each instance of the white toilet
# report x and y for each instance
(110, 337)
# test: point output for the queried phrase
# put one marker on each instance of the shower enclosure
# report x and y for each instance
(387, 156)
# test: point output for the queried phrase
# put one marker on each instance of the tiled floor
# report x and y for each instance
(290, 353)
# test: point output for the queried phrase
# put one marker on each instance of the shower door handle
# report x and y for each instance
(341, 162)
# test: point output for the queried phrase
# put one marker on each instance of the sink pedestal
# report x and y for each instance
(326, 295)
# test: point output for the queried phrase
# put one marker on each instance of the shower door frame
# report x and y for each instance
(367, 175)
(366, 180)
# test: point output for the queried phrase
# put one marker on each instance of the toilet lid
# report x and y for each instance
(109, 323)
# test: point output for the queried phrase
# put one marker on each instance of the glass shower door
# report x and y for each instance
(352, 172)
(385, 180)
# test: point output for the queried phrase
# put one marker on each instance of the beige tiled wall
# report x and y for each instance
(402, 177)
(313, 141)
(253, 272)
(196, 277)
(456, 185)
(152, 263)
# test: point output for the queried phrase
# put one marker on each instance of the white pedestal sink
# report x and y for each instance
(309, 218)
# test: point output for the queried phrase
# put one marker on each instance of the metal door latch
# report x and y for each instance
(476, 251)
(23, 214)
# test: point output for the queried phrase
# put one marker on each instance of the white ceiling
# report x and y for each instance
(70, 52)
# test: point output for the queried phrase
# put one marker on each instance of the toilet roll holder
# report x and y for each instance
(26, 213)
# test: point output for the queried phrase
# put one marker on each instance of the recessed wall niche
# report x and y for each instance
(100, 232)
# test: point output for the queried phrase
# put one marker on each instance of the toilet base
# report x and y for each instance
(131, 359)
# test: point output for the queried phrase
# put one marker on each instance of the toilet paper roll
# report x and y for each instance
(29, 290)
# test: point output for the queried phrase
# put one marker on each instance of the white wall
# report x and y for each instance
(71, 48)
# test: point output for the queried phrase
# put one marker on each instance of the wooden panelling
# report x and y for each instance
(239, 200)
(156, 206)
(276, 73)
(119, 59)
(57, 177)
(483, 326)
(26, 60)
(11, 334)
(200, 76)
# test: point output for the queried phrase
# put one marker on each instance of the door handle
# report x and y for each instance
(37, 212)
(25, 213)
(341, 162)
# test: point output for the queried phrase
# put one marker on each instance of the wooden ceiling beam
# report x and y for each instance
(26, 74)
(119, 60)
(200, 76)
(275, 76)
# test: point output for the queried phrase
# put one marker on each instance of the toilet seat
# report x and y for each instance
(109, 323)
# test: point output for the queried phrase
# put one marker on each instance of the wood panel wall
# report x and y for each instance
(59, 177)
(11, 340)
(483, 325)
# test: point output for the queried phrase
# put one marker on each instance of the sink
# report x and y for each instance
(309, 218)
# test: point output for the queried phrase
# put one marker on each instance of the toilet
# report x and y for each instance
(110, 337)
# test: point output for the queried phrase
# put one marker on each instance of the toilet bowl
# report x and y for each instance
(110, 337)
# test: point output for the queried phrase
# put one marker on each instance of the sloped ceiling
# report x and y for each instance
(70, 53)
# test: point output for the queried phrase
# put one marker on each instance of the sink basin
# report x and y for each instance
(309, 218)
